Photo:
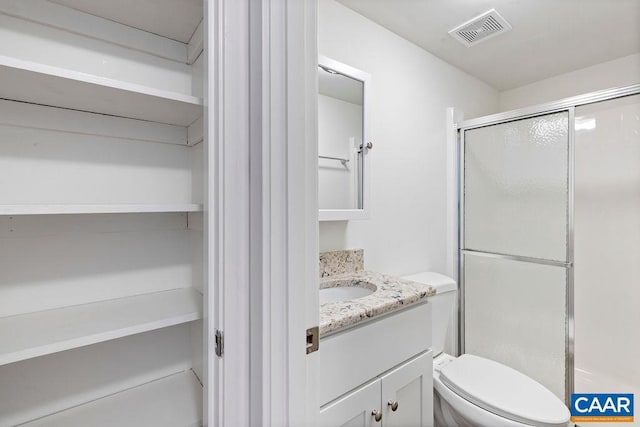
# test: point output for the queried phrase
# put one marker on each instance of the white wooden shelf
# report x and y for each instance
(96, 209)
(58, 87)
(36, 334)
(174, 401)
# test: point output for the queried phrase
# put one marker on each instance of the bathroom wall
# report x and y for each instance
(619, 72)
(406, 232)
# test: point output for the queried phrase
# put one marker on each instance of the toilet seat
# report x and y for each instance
(503, 391)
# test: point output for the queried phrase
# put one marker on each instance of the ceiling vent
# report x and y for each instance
(480, 28)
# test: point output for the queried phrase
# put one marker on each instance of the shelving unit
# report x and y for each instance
(167, 402)
(45, 332)
(101, 116)
(95, 209)
(43, 84)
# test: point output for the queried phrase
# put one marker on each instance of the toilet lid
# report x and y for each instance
(503, 391)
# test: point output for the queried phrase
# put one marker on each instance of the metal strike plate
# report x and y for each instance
(313, 339)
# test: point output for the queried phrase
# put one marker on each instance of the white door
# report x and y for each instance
(407, 394)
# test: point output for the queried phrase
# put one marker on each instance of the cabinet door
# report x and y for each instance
(409, 389)
(353, 410)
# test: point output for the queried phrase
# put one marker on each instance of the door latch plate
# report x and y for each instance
(313, 339)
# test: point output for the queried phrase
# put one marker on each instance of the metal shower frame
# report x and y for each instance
(569, 105)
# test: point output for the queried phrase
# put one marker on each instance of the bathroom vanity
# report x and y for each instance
(375, 357)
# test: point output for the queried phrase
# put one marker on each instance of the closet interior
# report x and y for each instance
(102, 177)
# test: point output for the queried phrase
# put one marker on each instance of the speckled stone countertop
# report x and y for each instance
(341, 262)
(390, 294)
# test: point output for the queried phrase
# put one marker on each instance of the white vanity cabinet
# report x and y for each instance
(400, 398)
(353, 410)
(409, 390)
(370, 369)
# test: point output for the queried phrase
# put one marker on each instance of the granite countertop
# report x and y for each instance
(392, 293)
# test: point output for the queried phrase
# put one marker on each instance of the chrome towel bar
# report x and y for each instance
(340, 159)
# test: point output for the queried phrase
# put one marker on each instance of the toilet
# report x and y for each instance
(474, 391)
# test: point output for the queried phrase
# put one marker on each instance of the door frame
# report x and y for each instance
(261, 217)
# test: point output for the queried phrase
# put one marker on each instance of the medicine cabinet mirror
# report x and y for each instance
(344, 95)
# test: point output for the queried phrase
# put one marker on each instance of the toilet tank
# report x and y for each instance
(443, 304)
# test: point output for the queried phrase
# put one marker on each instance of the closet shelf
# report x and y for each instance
(36, 334)
(96, 209)
(58, 87)
(172, 401)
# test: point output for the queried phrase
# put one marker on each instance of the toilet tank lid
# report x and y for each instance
(504, 391)
(440, 282)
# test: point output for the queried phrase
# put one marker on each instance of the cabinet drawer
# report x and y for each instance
(352, 357)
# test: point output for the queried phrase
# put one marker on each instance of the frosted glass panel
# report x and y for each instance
(516, 187)
(607, 247)
(515, 314)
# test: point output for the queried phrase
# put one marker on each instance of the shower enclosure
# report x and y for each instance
(549, 241)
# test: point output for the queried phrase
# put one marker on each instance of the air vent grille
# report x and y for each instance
(480, 28)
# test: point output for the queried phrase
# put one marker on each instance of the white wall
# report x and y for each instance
(411, 91)
(619, 72)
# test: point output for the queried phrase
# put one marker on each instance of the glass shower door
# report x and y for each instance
(607, 246)
(515, 246)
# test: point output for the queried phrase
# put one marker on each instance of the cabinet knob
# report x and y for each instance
(393, 404)
(376, 415)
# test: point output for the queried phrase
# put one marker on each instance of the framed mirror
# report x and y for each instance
(344, 96)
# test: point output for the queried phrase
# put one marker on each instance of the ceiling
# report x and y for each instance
(549, 37)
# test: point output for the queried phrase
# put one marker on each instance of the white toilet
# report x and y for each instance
(474, 391)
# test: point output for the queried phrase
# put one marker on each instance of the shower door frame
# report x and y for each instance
(569, 105)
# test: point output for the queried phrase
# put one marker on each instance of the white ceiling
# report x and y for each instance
(174, 19)
(549, 37)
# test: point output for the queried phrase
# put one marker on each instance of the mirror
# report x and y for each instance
(343, 167)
